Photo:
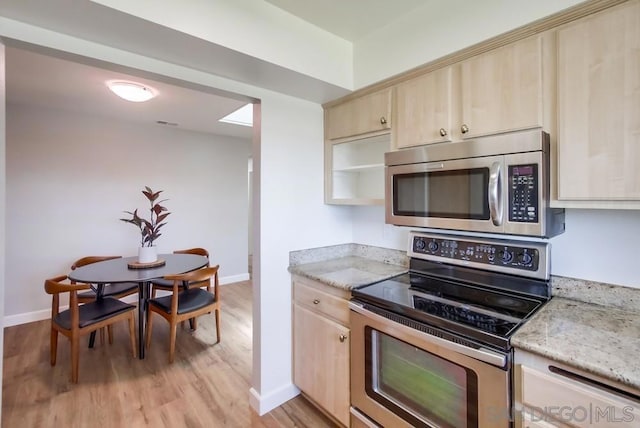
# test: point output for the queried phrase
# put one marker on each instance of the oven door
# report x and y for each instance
(404, 377)
(463, 194)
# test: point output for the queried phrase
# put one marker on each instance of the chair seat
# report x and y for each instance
(165, 284)
(94, 312)
(188, 300)
(111, 290)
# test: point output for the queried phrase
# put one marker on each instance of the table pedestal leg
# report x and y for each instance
(143, 293)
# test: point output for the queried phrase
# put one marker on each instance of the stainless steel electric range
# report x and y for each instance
(431, 348)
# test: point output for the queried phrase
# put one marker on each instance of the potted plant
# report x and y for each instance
(149, 229)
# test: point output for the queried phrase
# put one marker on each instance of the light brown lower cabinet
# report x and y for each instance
(551, 394)
(321, 346)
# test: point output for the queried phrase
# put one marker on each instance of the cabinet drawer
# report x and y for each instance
(532, 421)
(575, 403)
(332, 306)
(358, 420)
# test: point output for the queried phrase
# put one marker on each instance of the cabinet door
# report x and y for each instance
(423, 109)
(502, 89)
(321, 361)
(369, 113)
(599, 106)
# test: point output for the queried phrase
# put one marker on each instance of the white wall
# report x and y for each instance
(2, 195)
(292, 217)
(598, 245)
(438, 28)
(70, 176)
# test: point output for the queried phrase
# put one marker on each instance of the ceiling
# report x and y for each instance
(348, 19)
(41, 80)
(38, 79)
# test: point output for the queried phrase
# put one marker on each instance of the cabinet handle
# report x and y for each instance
(443, 132)
(464, 128)
(343, 338)
(383, 121)
(316, 301)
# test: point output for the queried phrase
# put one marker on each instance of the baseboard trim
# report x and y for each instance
(43, 314)
(234, 278)
(265, 403)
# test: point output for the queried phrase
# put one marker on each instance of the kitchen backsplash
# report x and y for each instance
(384, 255)
(596, 292)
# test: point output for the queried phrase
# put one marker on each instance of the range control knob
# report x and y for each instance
(505, 256)
(525, 258)
(420, 244)
(433, 246)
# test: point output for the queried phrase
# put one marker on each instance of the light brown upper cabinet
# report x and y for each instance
(363, 115)
(599, 109)
(506, 89)
(502, 90)
(423, 109)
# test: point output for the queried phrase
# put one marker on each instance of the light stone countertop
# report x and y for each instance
(348, 272)
(598, 339)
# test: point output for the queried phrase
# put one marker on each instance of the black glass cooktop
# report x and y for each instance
(484, 314)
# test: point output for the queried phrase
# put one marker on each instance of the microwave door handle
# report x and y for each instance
(495, 201)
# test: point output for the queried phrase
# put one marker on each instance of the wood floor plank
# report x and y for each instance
(207, 386)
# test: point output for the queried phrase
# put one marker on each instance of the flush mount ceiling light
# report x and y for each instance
(243, 116)
(131, 91)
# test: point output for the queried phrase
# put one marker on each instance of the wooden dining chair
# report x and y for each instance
(117, 290)
(82, 319)
(184, 304)
(166, 285)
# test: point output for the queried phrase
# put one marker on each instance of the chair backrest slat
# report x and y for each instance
(91, 259)
(194, 276)
(196, 251)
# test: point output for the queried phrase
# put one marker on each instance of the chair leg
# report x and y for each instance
(218, 325)
(132, 334)
(75, 356)
(54, 346)
(102, 336)
(194, 323)
(147, 342)
(172, 341)
(110, 333)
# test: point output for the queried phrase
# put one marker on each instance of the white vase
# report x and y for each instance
(147, 254)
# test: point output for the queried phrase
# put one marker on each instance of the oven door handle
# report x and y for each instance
(481, 354)
(494, 190)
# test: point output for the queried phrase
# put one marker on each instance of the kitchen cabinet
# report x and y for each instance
(506, 89)
(502, 90)
(423, 109)
(363, 115)
(354, 170)
(551, 394)
(321, 346)
(598, 145)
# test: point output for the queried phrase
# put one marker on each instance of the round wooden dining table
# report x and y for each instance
(118, 270)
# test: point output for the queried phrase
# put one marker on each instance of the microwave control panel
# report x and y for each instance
(523, 193)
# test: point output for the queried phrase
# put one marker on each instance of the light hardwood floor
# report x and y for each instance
(207, 386)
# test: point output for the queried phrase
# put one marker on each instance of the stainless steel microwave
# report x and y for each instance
(497, 184)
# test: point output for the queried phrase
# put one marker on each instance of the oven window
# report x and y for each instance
(460, 194)
(418, 386)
